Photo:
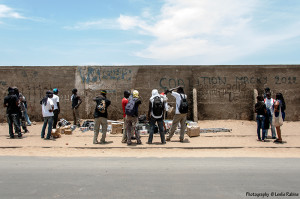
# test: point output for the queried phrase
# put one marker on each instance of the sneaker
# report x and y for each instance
(95, 142)
(12, 137)
(168, 139)
(181, 140)
(20, 135)
(139, 142)
(164, 143)
(103, 142)
(148, 142)
(129, 143)
(274, 137)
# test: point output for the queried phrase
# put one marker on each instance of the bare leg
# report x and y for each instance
(278, 132)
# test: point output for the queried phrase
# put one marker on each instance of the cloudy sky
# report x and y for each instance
(149, 32)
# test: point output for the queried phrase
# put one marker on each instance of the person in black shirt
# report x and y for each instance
(261, 110)
(76, 101)
(11, 102)
(100, 116)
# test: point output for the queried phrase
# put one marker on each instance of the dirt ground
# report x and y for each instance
(240, 142)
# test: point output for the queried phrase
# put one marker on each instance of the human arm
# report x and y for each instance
(149, 109)
(58, 107)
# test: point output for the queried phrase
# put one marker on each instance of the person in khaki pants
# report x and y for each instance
(180, 113)
(100, 115)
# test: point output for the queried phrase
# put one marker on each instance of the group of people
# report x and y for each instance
(16, 112)
(156, 113)
(270, 114)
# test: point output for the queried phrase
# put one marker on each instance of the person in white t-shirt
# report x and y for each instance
(47, 111)
(269, 102)
(56, 110)
(180, 113)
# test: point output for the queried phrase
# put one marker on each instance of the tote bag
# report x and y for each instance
(277, 121)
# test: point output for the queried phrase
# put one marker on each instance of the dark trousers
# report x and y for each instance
(160, 124)
(55, 118)
(13, 120)
(260, 119)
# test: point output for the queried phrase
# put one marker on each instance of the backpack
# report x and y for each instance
(183, 108)
(157, 106)
(130, 107)
(101, 106)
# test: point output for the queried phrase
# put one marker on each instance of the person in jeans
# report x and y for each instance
(56, 111)
(131, 111)
(269, 102)
(156, 115)
(11, 102)
(47, 111)
(261, 110)
(124, 103)
(178, 117)
(23, 99)
(76, 101)
(100, 115)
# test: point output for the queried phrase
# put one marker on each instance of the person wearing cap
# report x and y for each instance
(76, 101)
(11, 102)
(124, 103)
(47, 111)
(100, 115)
(56, 110)
(131, 111)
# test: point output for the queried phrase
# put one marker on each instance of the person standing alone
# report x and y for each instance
(76, 101)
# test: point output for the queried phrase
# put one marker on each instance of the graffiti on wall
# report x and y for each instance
(97, 74)
(233, 89)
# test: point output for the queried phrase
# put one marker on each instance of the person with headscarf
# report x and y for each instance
(11, 102)
(100, 115)
(131, 110)
(279, 115)
(47, 111)
(156, 115)
(56, 111)
(180, 113)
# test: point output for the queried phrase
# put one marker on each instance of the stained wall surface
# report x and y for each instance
(223, 92)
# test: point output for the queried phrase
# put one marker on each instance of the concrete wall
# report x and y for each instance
(224, 92)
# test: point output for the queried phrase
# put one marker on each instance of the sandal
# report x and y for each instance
(278, 141)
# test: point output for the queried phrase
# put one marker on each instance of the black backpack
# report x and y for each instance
(130, 108)
(183, 108)
(157, 106)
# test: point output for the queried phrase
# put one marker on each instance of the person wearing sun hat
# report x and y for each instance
(131, 110)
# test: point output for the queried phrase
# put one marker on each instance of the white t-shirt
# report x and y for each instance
(45, 109)
(178, 100)
(269, 103)
(55, 99)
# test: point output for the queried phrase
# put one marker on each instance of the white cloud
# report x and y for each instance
(216, 31)
(97, 24)
(7, 12)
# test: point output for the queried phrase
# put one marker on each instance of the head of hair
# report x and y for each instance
(74, 91)
(10, 90)
(126, 94)
(268, 95)
(260, 98)
(180, 90)
(279, 96)
(267, 89)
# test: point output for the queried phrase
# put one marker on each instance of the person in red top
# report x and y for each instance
(124, 102)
